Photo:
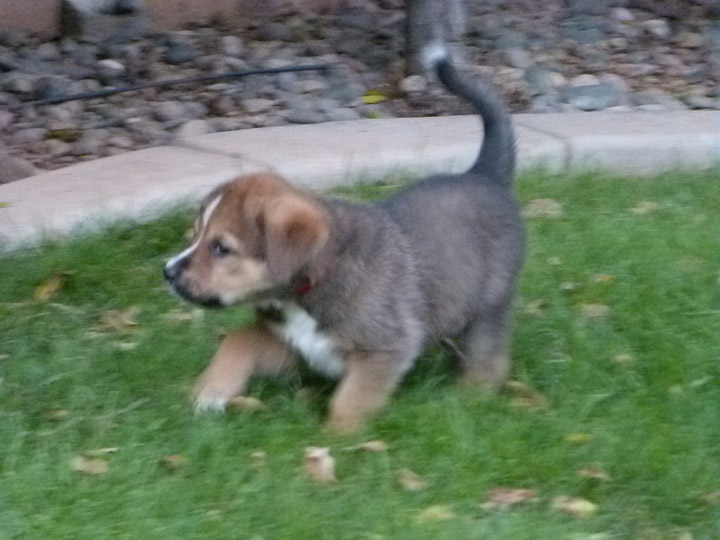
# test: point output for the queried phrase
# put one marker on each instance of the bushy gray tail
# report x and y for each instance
(496, 160)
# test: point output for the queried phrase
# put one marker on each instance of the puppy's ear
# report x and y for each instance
(295, 231)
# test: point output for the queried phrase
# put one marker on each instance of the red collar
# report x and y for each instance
(303, 285)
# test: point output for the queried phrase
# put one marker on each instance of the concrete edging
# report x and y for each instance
(141, 184)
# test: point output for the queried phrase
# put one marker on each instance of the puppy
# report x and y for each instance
(358, 290)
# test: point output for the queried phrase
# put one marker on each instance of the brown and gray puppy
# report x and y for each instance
(358, 290)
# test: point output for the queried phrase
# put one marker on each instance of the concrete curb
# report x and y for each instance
(141, 184)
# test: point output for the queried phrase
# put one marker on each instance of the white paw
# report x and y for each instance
(210, 404)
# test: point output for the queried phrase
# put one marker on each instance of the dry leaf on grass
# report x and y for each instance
(579, 437)
(369, 446)
(623, 359)
(258, 459)
(574, 506)
(594, 311)
(119, 320)
(245, 404)
(173, 462)
(4, 204)
(594, 472)
(543, 208)
(180, 315)
(411, 481)
(526, 397)
(713, 499)
(89, 465)
(502, 498)
(644, 207)
(603, 278)
(320, 465)
(58, 414)
(52, 286)
(536, 308)
(125, 345)
(101, 451)
(437, 512)
(568, 286)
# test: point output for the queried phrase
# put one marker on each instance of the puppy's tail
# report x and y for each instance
(496, 160)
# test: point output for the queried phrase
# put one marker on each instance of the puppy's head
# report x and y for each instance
(251, 236)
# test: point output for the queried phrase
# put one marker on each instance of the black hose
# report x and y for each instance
(171, 82)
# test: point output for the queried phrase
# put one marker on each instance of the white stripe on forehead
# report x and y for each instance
(207, 214)
(209, 209)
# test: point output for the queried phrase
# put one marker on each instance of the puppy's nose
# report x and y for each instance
(173, 269)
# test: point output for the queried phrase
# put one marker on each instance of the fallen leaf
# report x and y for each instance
(568, 286)
(623, 359)
(437, 512)
(259, 458)
(51, 287)
(101, 451)
(536, 308)
(125, 345)
(373, 97)
(549, 208)
(644, 207)
(89, 465)
(579, 437)
(525, 396)
(594, 311)
(502, 498)
(245, 404)
(370, 446)
(603, 278)
(4, 204)
(574, 506)
(594, 472)
(320, 465)
(119, 320)
(174, 462)
(180, 315)
(58, 414)
(410, 481)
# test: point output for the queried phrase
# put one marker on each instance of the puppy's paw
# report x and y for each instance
(211, 403)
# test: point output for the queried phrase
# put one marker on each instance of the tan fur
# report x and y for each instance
(252, 350)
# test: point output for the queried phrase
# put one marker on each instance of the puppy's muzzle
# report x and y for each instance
(173, 269)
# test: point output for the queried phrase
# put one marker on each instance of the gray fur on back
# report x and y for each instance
(431, 261)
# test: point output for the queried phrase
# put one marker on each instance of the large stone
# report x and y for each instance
(179, 52)
(595, 97)
(14, 168)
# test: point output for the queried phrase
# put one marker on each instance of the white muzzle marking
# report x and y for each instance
(177, 259)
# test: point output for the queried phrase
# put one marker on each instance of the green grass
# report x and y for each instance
(653, 424)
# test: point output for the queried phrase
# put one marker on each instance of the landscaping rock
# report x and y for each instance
(595, 97)
(544, 56)
(14, 168)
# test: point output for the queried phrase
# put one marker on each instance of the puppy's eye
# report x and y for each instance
(218, 249)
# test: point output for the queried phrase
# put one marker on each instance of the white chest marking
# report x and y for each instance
(300, 331)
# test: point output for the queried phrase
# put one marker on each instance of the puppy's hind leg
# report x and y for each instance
(242, 354)
(484, 345)
(368, 382)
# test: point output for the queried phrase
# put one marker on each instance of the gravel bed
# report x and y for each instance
(544, 56)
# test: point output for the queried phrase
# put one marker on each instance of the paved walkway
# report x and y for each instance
(143, 183)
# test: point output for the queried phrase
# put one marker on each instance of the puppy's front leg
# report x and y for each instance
(364, 389)
(242, 354)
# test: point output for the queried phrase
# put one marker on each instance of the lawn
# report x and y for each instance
(616, 401)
